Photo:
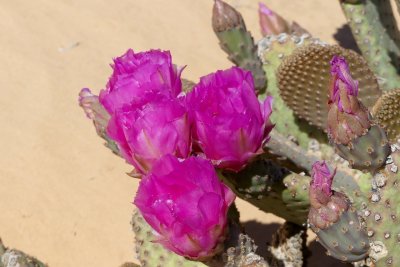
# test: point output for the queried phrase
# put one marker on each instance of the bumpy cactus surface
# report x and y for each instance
(16, 258)
(299, 128)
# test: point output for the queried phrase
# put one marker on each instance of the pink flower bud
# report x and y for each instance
(322, 178)
(136, 77)
(348, 118)
(186, 204)
(230, 124)
(146, 133)
(326, 205)
(270, 22)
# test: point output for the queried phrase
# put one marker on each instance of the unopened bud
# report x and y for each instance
(348, 118)
(225, 17)
(271, 22)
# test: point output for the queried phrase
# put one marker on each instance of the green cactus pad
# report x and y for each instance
(272, 189)
(373, 27)
(152, 254)
(13, 257)
(386, 113)
(304, 81)
(239, 45)
(100, 117)
(346, 239)
(366, 153)
(272, 50)
(382, 214)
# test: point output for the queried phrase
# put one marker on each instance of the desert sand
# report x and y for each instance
(65, 198)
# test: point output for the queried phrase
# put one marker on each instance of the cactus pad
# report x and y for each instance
(304, 80)
(272, 189)
(273, 50)
(381, 214)
(13, 257)
(243, 255)
(366, 153)
(346, 239)
(152, 254)
(386, 112)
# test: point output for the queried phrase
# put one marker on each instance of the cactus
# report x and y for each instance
(13, 257)
(328, 110)
(381, 214)
(272, 50)
(237, 42)
(244, 254)
(374, 40)
(272, 189)
(288, 246)
(308, 70)
(153, 254)
(386, 111)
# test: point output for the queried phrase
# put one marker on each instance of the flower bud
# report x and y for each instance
(270, 22)
(146, 133)
(326, 207)
(348, 118)
(187, 205)
(230, 124)
(225, 17)
(331, 217)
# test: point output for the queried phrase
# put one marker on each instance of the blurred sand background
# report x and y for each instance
(64, 197)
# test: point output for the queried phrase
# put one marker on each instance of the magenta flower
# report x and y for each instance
(137, 77)
(186, 204)
(230, 124)
(348, 118)
(146, 133)
(271, 22)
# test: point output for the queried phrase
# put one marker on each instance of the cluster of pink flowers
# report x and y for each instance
(174, 141)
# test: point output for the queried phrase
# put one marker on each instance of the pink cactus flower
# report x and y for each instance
(187, 205)
(137, 77)
(146, 133)
(230, 124)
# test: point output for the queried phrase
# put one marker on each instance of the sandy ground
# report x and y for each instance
(64, 197)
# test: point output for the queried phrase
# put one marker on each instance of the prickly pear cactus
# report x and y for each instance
(386, 113)
(304, 76)
(237, 42)
(273, 50)
(381, 213)
(367, 24)
(17, 258)
(150, 253)
(317, 89)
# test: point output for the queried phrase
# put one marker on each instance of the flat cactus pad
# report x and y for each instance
(386, 112)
